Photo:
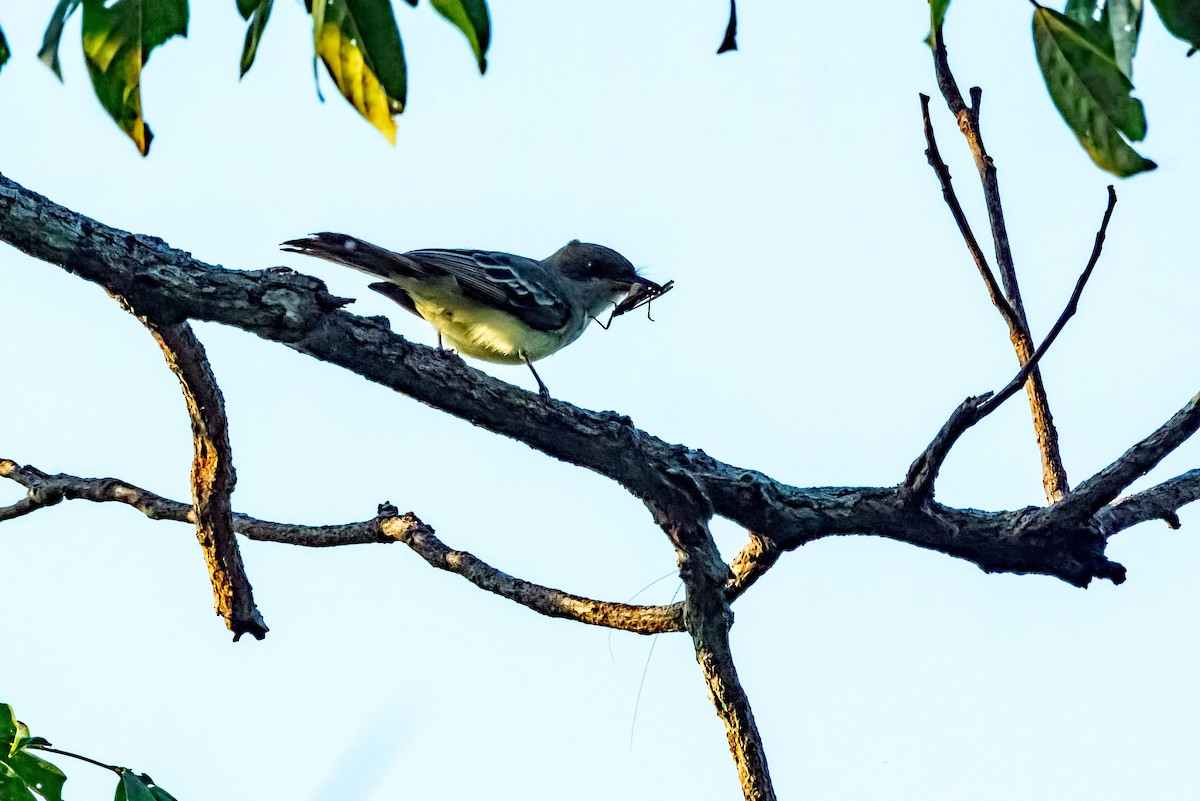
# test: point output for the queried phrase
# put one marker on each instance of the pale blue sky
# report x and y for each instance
(826, 321)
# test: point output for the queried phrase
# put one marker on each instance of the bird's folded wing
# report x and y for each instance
(513, 284)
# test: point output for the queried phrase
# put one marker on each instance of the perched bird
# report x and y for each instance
(496, 306)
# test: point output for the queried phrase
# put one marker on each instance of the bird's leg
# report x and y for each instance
(545, 393)
(439, 333)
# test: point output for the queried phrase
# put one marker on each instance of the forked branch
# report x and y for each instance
(1054, 475)
(924, 470)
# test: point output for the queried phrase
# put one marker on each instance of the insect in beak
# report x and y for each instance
(640, 294)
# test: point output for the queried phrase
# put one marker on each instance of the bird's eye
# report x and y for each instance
(591, 267)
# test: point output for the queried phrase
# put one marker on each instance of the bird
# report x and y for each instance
(493, 306)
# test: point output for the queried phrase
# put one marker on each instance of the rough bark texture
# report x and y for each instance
(212, 477)
(296, 310)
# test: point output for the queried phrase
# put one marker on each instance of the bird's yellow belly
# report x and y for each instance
(487, 334)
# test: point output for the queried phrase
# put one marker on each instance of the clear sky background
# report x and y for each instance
(826, 321)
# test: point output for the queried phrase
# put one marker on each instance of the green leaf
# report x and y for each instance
(470, 17)
(130, 787)
(4, 51)
(159, 793)
(38, 775)
(1112, 25)
(937, 12)
(937, 18)
(20, 740)
(360, 45)
(9, 726)
(1092, 16)
(118, 38)
(259, 13)
(1125, 25)
(21, 773)
(49, 52)
(12, 788)
(1091, 93)
(1181, 18)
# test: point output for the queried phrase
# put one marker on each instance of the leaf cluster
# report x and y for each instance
(358, 42)
(25, 777)
(1086, 57)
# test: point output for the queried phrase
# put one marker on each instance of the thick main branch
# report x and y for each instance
(298, 311)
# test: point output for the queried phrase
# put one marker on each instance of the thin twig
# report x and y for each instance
(1069, 312)
(386, 527)
(1054, 475)
(964, 226)
(115, 769)
(541, 599)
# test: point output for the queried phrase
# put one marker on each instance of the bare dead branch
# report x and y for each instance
(543, 600)
(1067, 313)
(212, 476)
(964, 226)
(47, 490)
(298, 311)
(1160, 502)
(924, 470)
(1054, 475)
(1093, 494)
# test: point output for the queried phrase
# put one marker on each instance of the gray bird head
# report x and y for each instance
(585, 262)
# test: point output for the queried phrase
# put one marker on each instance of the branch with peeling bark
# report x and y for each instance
(212, 476)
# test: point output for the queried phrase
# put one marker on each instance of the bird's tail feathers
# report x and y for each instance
(353, 253)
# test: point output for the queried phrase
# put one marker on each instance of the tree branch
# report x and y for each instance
(47, 490)
(543, 600)
(1093, 494)
(1054, 475)
(682, 512)
(752, 563)
(212, 476)
(299, 312)
(1160, 502)
(934, 156)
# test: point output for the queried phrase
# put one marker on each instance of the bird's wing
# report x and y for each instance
(514, 284)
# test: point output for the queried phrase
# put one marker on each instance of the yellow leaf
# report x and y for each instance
(355, 80)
